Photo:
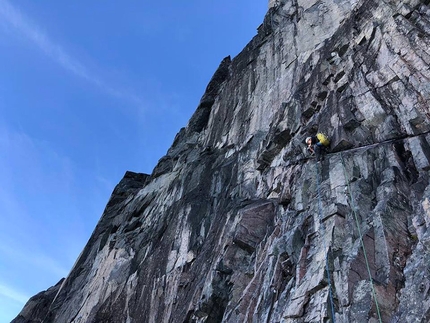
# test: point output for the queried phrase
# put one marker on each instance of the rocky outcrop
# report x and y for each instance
(38, 307)
(237, 224)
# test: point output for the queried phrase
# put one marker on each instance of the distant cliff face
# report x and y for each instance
(236, 224)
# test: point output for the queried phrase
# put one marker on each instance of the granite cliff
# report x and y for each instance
(237, 224)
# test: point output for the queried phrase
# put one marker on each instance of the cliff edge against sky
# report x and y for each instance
(237, 224)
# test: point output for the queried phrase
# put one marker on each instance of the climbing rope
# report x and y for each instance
(330, 290)
(364, 147)
(361, 237)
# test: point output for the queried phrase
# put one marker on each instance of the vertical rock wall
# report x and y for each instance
(237, 224)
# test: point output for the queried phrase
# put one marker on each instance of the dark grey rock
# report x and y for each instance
(238, 224)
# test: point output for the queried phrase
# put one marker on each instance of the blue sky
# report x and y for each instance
(89, 90)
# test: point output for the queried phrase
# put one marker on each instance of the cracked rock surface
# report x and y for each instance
(237, 224)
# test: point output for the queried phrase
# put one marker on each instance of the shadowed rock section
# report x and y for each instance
(237, 224)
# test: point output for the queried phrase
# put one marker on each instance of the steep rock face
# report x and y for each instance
(236, 224)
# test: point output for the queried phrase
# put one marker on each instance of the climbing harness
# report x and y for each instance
(361, 237)
(330, 290)
(389, 141)
(354, 212)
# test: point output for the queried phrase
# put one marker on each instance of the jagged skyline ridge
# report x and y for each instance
(228, 228)
(88, 92)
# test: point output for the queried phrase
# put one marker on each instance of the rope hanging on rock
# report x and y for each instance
(353, 207)
(330, 290)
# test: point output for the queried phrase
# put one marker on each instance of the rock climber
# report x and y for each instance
(317, 144)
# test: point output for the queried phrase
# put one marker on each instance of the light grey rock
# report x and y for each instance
(237, 224)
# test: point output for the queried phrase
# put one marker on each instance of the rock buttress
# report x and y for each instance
(237, 224)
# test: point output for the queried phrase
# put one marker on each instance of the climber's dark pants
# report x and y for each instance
(318, 149)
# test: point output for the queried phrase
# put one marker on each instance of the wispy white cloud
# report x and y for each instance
(22, 171)
(13, 294)
(13, 17)
(32, 258)
(41, 40)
